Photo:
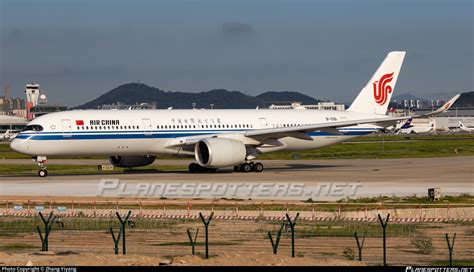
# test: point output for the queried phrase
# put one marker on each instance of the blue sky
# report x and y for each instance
(78, 50)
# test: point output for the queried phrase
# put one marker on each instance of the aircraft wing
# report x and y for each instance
(300, 131)
(254, 137)
(442, 109)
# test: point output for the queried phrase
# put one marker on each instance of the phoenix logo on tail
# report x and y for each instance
(382, 89)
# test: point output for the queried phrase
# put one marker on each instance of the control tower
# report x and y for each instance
(33, 93)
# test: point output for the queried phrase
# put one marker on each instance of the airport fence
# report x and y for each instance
(417, 240)
(415, 212)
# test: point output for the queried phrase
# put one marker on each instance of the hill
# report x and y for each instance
(133, 93)
(465, 100)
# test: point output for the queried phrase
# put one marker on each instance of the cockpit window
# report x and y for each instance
(33, 128)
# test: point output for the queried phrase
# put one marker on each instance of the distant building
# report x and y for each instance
(319, 106)
(122, 106)
(417, 103)
(8, 122)
(12, 106)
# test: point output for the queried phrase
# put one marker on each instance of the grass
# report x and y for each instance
(28, 225)
(463, 263)
(16, 246)
(324, 229)
(22, 169)
(463, 198)
(377, 149)
(346, 205)
(211, 243)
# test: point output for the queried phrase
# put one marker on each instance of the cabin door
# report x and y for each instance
(147, 126)
(67, 128)
(263, 122)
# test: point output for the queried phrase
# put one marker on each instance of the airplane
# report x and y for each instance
(215, 138)
(417, 128)
(9, 135)
(465, 128)
(400, 125)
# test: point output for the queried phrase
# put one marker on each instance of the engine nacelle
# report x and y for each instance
(219, 152)
(131, 161)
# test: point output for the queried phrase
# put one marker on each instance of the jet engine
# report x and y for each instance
(131, 161)
(219, 152)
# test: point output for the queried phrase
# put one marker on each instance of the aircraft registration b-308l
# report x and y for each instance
(216, 138)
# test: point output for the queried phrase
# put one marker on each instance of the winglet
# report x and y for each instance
(443, 108)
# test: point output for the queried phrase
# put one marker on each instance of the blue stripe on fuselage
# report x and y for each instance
(105, 135)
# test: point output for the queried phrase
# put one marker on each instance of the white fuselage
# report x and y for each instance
(152, 132)
(418, 128)
(465, 128)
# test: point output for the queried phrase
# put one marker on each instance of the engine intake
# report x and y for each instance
(131, 161)
(219, 152)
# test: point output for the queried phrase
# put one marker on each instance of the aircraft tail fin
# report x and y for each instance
(375, 96)
(407, 124)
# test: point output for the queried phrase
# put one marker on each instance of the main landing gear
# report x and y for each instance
(196, 168)
(41, 160)
(244, 167)
(249, 167)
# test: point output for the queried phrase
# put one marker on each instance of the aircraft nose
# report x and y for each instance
(18, 145)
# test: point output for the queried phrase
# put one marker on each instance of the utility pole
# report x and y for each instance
(5, 94)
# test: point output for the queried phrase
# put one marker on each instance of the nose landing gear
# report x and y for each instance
(41, 160)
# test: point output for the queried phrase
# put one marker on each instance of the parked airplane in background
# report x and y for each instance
(417, 128)
(465, 128)
(216, 138)
(9, 135)
(404, 124)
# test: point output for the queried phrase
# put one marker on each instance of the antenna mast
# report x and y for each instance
(5, 94)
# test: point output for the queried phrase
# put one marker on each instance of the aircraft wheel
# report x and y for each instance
(237, 168)
(246, 167)
(258, 167)
(42, 173)
(193, 167)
